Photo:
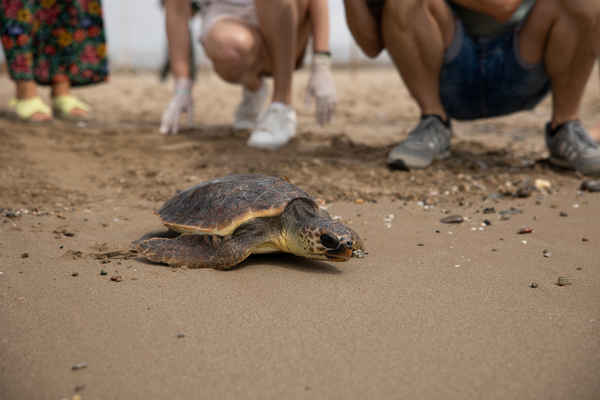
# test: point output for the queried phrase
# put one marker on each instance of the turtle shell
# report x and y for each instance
(220, 205)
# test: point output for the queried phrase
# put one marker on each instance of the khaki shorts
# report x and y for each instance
(213, 12)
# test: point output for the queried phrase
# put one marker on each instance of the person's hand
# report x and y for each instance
(321, 87)
(181, 103)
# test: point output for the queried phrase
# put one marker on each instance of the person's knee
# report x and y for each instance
(229, 52)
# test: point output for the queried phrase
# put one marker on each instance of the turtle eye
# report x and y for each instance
(329, 241)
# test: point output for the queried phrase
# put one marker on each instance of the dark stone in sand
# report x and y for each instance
(524, 191)
(533, 285)
(591, 186)
(115, 277)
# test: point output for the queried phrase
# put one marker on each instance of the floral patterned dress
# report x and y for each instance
(54, 41)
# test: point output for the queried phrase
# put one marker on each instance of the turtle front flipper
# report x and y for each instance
(158, 234)
(197, 251)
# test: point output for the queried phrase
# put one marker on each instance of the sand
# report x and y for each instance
(433, 310)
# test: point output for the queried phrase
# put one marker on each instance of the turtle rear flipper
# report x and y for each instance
(197, 251)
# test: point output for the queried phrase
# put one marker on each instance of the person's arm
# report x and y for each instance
(178, 14)
(319, 16)
(363, 27)
(500, 10)
(320, 85)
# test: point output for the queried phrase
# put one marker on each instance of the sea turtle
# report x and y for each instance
(220, 222)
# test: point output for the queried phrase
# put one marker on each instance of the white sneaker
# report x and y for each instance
(276, 126)
(249, 109)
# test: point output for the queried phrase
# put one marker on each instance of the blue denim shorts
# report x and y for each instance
(487, 77)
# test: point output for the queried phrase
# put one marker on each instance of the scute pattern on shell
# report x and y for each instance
(220, 205)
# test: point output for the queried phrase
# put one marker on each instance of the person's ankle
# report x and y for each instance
(445, 121)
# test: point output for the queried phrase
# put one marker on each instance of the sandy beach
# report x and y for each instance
(433, 311)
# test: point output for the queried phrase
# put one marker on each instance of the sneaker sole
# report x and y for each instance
(408, 163)
(560, 162)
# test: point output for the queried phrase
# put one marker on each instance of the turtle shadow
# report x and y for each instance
(280, 260)
(289, 261)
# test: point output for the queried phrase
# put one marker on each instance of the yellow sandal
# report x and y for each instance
(25, 109)
(64, 105)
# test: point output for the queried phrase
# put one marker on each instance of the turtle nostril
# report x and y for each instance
(348, 244)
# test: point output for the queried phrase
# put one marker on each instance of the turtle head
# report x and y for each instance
(324, 239)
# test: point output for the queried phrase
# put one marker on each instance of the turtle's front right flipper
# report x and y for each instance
(197, 251)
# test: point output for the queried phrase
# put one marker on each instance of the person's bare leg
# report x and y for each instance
(565, 35)
(28, 90)
(279, 21)
(416, 34)
(63, 88)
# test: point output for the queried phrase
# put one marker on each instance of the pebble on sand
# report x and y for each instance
(180, 335)
(563, 214)
(79, 366)
(452, 219)
(24, 255)
(562, 281)
(103, 272)
(75, 273)
(591, 186)
(115, 277)
(533, 285)
(359, 201)
(584, 239)
(542, 184)
(525, 229)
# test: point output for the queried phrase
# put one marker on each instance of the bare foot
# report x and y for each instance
(40, 117)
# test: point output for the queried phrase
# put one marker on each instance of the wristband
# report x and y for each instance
(183, 85)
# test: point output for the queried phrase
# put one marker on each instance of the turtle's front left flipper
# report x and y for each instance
(158, 234)
(197, 251)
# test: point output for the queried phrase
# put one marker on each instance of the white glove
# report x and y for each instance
(320, 86)
(181, 103)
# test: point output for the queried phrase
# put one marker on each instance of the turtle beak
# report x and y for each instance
(342, 253)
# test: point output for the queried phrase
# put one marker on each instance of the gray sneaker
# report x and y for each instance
(429, 141)
(572, 147)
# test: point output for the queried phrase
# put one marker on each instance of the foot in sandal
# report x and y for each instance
(31, 110)
(70, 108)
